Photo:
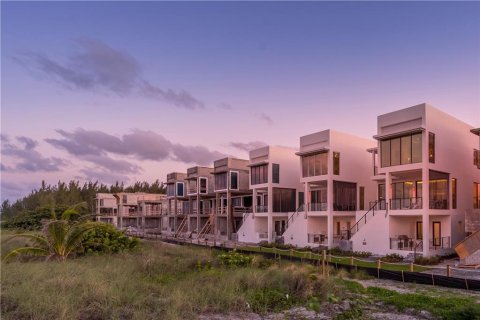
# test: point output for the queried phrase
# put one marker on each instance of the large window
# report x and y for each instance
(275, 173)
(336, 163)
(170, 190)
(221, 181)
(438, 190)
(315, 164)
(180, 189)
(203, 185)
(344, 196)
(431, 147)
(454, 193)
(476, 158)
(401, 150)
(362, 198)
(476, 195)
(259, 174)
(284, 200)
(234, 180)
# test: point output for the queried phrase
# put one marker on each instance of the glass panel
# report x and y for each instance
(417, 148)
(336, 163)
(221, 181)
(419, 230)
(438, 196)
(283, 200)
(381, 192)
(180, 188)
(324, 162)
(233, 180)
(311, 166)
(395, 151)
(362, 198)
(454, 193)
(275, 173)
(203, 185)
(344, 196)
(406, 149)
(305, 167)
(385, 153)
(431, 147)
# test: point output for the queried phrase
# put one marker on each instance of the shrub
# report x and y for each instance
(393, 257)
(347, 253)
(234, 259)
(427, 260)
(281, 246)
(263, 300)
(107, 240)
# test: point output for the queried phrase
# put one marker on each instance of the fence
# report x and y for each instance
(411, 272)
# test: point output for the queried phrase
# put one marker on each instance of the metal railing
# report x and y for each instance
(363, 220)
(320, 206)
(404, 243)
(440, 243)
(261, 209)
(317, 238)
(296, 213)
(406, 203)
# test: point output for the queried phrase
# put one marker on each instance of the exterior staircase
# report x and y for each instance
(181, 227)
(296, 228)
(207, 228)
(469, 250)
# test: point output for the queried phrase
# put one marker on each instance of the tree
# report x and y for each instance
(60, 238)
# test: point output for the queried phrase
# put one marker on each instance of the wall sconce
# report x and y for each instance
(291, 236)
(364, 242)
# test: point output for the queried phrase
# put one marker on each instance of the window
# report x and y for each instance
(180, 189)
(431, 147)
(234, 180)
(192, 186)
(203, 185)
(476, 158)
(454, 193)
(401, 150)
(344, 196)
(259, 174)
(476, 195)
(170, 190)
(419, 230)
(438, 190)
(315, 164)
(101, 203)
(124, 198)
(284, 200)
(362, 198)
(275, 173)
(336, 163)
(221, 181)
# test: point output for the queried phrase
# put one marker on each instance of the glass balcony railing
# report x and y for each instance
(317, 206)
(406, 203)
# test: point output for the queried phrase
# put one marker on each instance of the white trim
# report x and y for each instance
(176, 189)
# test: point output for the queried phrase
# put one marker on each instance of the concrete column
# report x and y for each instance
(217, 205)
(269, 212)
(120, 216)
(198, 212)
(330, 226)
(254, 202)
(175, 207)
(144, 209)
(425, 209)
(388, 188)
(306, 197)
(229, 214)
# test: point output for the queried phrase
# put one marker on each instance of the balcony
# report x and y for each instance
(440, 243)
(317, 206)
(406, 203)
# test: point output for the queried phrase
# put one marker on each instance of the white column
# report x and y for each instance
(330, 226)
(388, 188)
(229, 214)
(144, 209)
(269, 212)
(425, 210)
(254, 202)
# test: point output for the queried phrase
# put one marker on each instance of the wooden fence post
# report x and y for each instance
(379, 265)
(324, 256)
(448, 270)
(411, 266)
(351, 260)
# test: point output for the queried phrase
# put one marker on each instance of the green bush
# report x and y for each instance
(263, 300)
(427, 260)
(234, 259)
(346, 253)
(107, 240)
(392, 258)
(281, 246)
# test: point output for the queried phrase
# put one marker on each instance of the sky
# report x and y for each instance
(127, 91)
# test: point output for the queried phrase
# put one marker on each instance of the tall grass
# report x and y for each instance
(159, 281)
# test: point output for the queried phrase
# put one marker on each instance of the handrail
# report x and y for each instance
(356, 227)
(290, 219)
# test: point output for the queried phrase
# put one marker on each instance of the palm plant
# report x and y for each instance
(59, 237)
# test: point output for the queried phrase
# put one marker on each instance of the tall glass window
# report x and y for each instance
(259, 174)
(438, 196)
(344, 196)
(234, 180)
(180, 189)
(275, 173)
(221, 181)
(476, 195)
(454, 193)
(431, 147)
(362, 198)
(284, 200)
(401, 150)
(315, 164)
(336, 163)
(203, 185)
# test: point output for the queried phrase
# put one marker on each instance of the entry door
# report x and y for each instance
(200, 209)
(301, 198)
(437, 233)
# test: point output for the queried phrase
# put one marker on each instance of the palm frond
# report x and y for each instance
(77, 232)
(73, 210)
(26, 250)
(40, 240)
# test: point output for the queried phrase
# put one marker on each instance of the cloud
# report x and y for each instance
(13, 191)
(113, 165)
(141, 144)
(29, 159)
(225, 106)
(99, 67)
(91, 174)
(265, 117)
(248, 145)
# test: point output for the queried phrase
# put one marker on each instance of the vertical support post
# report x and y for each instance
(324, 257)
(269, 213)
(411, 266)
(330, 204)
(448, 270)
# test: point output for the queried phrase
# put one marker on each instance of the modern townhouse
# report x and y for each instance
(424, 174)
(106, 208)
(275, 183)
(201, 198)
(472, 223)
(233, 198)
(139, 210)
(336, 189)
(175, 219)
